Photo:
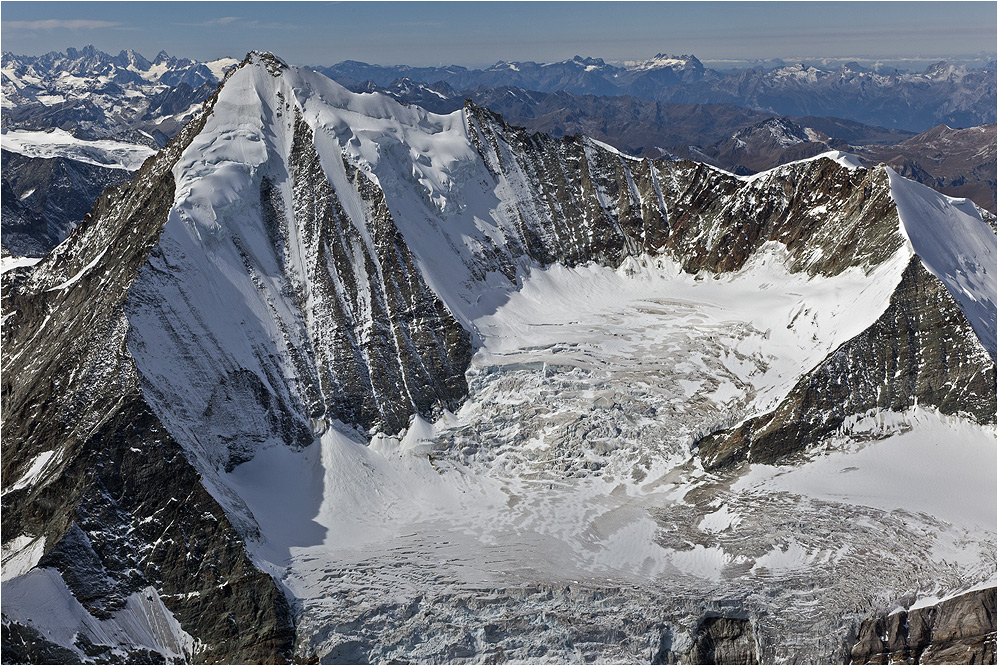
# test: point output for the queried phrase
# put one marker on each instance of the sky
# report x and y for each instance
(478, 34)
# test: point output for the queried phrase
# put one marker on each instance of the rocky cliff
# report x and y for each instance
(960, 630)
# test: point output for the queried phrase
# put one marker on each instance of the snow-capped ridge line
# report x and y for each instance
(954, 244)
(841, 158)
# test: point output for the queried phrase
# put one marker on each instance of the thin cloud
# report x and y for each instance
(240, 22)
(60, 24)
(225, 20)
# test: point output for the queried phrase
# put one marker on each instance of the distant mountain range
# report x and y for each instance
(91, 97)
(97, 95)
(958, 96)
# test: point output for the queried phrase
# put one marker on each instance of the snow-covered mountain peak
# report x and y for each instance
(663, 60)
(781, 130)
(135, 60)
(273, 64)
(586, 62)
(944, 70)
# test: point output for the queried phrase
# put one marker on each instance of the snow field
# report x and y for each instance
(60, 143)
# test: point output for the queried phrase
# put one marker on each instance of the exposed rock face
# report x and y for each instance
(805, 206)
(917, 352)
(708, 220)
(24, 645)
(956, 631)
(414, 359)
(723, 640)
(583, 208)
(45, 198)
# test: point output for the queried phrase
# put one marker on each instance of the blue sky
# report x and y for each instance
(476, 34)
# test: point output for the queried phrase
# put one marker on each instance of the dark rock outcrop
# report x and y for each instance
(956, 631)
(24, 645)
(723, 640)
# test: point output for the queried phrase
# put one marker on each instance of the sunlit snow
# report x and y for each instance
(60, 143)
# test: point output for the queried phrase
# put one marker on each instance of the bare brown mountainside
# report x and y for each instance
(957, 162)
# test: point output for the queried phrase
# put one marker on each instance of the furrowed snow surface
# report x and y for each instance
(570, 463)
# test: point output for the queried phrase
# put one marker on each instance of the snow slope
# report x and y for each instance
(41, 599)
(59, 143)
(957, 246)
(916, 469)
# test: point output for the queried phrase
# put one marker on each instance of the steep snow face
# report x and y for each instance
(282, 282)
(42, 600)
(197, 288)
(957, 246)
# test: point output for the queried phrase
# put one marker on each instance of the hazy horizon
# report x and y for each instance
(473, 35)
